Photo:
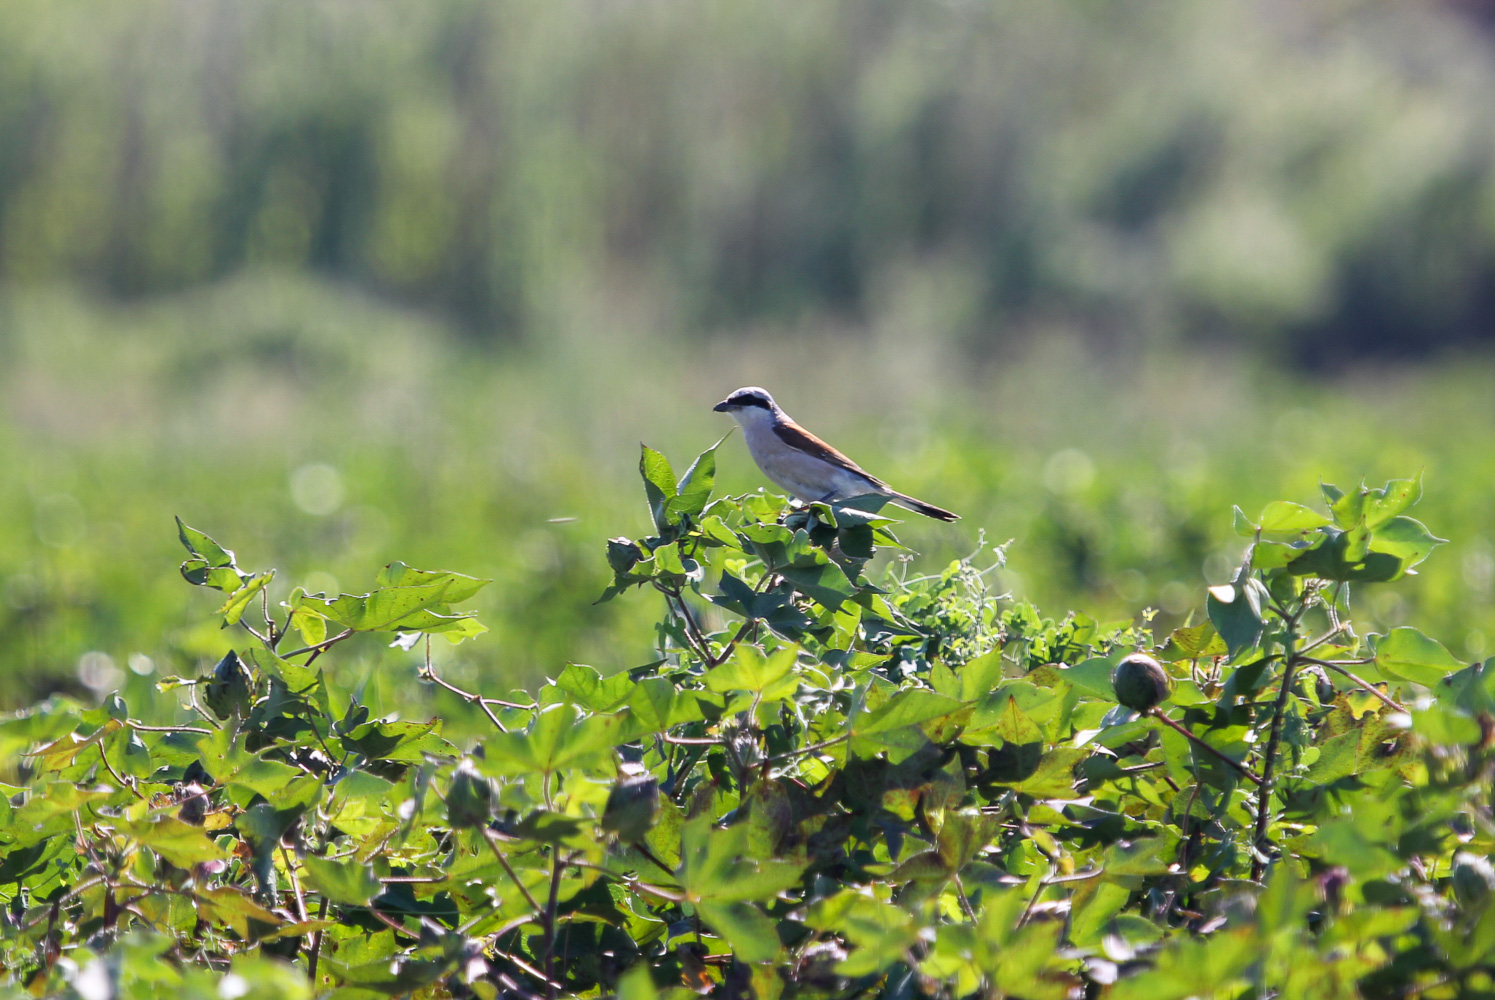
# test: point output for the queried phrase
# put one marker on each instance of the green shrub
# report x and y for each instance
(823, 786)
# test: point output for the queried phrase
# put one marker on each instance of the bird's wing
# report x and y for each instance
(796, 436)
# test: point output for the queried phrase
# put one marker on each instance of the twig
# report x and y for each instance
(1269, 766)
(316, 944)
(812, 748)
(141, 727)
(318, 647)
(675, 600)
(550, 911)
(749, 623)
(550, 985)
(1240, 768)
(122, 782)
(1360, 682)
(654, 890)
(1043, 884)
(493, 844)
(429, 673)
(965, 904)
(393, 925)
(1337, 628)
(285, 856)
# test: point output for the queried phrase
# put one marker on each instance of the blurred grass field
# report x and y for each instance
(325, 435)
(341, 284)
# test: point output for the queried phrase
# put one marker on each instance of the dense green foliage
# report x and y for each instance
(823, 786)
(328, 434)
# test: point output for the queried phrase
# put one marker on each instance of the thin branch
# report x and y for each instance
(812, 748)
(428, 672)
(488, 835)
(122, 782)
(316, 944)
(675, 600)
(1043, 884)
(318, 647)
(550, 985)
(965, 903)
(141, 727)
(1334, 630)
(654, 890)
(551, 906)
(748, 624)
(1360, 682)
(1269, 766)
(285, 855)
(1240, 768)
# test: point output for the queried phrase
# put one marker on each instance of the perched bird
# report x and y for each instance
(803, 464)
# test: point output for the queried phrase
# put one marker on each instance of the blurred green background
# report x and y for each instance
(346, 281)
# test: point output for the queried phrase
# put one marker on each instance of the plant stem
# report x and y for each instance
(1240, 768)
(318, 647)
(550, 910)
(429, 673)
(812, 748)
(1269, 766)
(493, 843)
(316, 945)
(1360, 682)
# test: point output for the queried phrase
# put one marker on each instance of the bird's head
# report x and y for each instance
(747, 398)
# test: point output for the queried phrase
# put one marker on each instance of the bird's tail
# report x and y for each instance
(920, 507)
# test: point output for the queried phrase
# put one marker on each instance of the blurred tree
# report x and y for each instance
(1314, 174)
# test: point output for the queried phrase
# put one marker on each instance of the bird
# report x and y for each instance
(801, 463)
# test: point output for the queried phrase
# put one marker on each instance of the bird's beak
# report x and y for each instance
(721, 407)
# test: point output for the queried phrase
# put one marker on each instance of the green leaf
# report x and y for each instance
(772, 678)
(390, 609)
(1281, 520)
(659, 485)
(402, 742)
(589, 689)
(342, 880)
(182, 844)
(459, 587)
(1407, 539)
(233, 609)
(200, 546)
(1235, 611)
(746, 928)
(906, 708)
(558, 737)
(1148, 856)
(223, 758)
(1336, 759)
(824, 582)
(981, 676)
(1390, 500)
(210, 565)
(231, 908)
(695, 486)
(1193, 642)
(636, 984)
(1408, 655)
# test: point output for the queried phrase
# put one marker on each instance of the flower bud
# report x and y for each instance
(631, 807)
(469, 802)
(623, 554)
(1140, 682)
(1473, 878)
(230, 689)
